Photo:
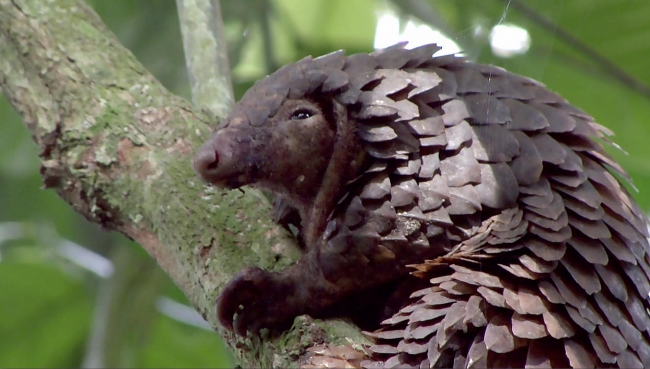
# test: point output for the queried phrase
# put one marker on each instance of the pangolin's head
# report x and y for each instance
(281, 134)
(291, 126)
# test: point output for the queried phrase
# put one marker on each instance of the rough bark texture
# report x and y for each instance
(117, 146)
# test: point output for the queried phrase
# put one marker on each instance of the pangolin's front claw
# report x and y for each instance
(258, 298)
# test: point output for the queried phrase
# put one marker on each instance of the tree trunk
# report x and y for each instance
(117, 146)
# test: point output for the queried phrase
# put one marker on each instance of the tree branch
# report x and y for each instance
(206, 55)
(116, 146)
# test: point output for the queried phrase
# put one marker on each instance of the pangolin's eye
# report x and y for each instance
(301, 114)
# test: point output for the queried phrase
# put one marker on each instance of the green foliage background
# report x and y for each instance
(50, 308)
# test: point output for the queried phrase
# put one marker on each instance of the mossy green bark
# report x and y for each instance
(117, 146)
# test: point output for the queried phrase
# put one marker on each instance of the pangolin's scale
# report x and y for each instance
(546, 255)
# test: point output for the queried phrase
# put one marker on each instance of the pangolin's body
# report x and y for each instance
(481, 181)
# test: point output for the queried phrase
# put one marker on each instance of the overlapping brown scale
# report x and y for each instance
(551, 292)
(548, 222)
(529, 327)
(524, 116)
(476, 277)
(627, 359)
(393, 57)
(586, 193)
(613, 338)
(412, 347)
(542, 198)
(623, 228)
(503, 220)
(578, 355)
(477, 355)
(463, 200)
(582, 272)
(605, 158)
(503, 86)
(613, 201)
(458, 135)
(572, 237)
(492, 297)
(375, 105)
(609, 307)
(455, 111)
(642, 349)
(638, 278)
(336, 79)
(512, 299)
(376, 187)
(445, 90)
(391, 81)
(507, 236)
(430, 126)
(461, 169)
(456, 287)
(453, 321)
(393, 149)
(570, 179)
(595, 229)
(550, 150)
(580, 320)
(591, 313)
(552, 210)
(440, 216)
(403, 192)
(432, 193)
(470, 80)
(549, 251)
(494, 144)
(498, 187)
(568, 288)
(519, 271)
(613, 280)
(430, 163)
(560, 235)
(341, 242)
(423, 82)
(498, 335)
(636, 309)
(582, 209)
(359, 64)
(618, 249)
(584, 127)
(376, 134)
(559, 120)
(486, 109)
(592, 252)
(420, 55)
(537, 355)
(602, 351)
(539, 188)
(537, 265)
(410, 167)
(433, 142)
(527, 166)
(355, 213)
(632, 336)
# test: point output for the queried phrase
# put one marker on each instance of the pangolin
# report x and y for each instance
(492, 192)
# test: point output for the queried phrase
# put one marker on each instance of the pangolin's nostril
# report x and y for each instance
(206, 162)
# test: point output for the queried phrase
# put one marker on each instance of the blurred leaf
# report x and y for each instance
(192, 347)
(45, 317)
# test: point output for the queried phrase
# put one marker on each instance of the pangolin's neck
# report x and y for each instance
(347, 158)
